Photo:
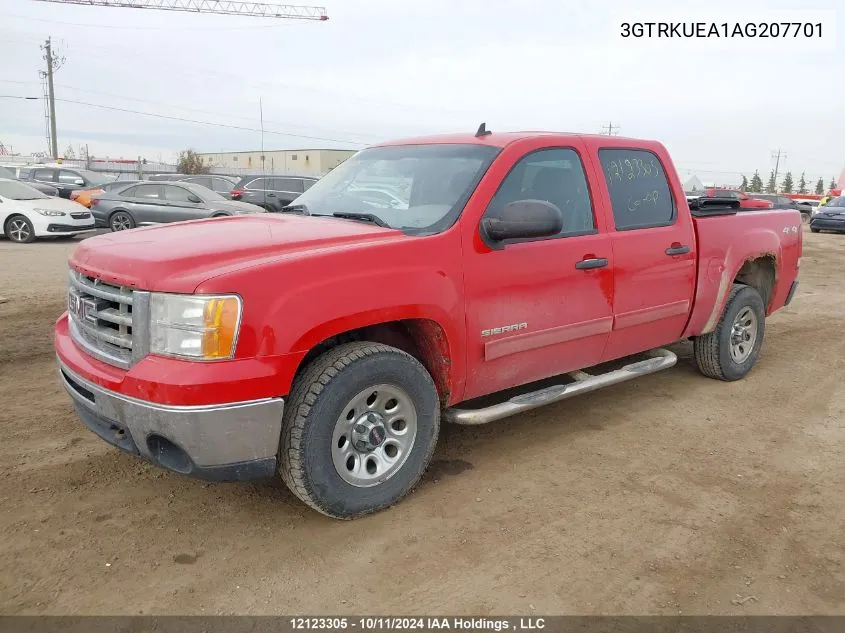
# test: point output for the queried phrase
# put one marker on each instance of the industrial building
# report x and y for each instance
(296, 162)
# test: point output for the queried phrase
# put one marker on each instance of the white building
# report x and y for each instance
(294, 162)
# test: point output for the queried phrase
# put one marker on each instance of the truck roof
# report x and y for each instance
(501, 139)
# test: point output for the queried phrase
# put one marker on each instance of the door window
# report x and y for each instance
(258, 183)
(68, 177)
(638, 187)
(148, 192)
(221, 185)
(44, 174)
(177, 194)
(292, 185)
(556, 176)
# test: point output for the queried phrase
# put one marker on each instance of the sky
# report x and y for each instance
(380, 69)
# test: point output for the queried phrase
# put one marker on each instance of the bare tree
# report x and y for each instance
(190, 162)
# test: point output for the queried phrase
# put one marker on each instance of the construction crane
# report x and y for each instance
(220, 7)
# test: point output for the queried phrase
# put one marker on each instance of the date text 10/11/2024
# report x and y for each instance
(418, 623)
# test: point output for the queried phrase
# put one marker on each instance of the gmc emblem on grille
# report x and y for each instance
(85, 309)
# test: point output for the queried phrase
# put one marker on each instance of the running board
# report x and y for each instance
(584, 382)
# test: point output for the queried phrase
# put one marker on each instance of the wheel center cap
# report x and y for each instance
(368, 432)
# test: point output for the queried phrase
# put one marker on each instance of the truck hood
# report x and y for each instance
(180, 256)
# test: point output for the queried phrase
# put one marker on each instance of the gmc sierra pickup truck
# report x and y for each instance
(496, 273)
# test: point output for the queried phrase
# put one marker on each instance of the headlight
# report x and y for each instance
(194, 326)
(49, 212)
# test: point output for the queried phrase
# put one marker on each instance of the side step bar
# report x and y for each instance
(584, 382)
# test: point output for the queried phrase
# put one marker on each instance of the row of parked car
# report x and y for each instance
(45, 201)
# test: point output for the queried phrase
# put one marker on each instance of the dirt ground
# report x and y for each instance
(669, 494)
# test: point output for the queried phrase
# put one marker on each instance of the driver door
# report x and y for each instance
(539, 307)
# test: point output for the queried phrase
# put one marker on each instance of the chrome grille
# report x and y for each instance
(103, 316)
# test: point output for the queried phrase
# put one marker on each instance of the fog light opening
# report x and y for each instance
(168, 454)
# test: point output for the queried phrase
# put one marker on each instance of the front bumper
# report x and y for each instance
(827, 223)
(222, 442)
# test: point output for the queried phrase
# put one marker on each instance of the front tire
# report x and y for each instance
(359, 429)
(19, 229)
(812, 230)
(730, 351)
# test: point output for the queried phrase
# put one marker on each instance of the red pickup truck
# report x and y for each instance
(461, 278)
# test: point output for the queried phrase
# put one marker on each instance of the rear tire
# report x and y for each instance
(121, 221)
(19, 229)
(359, 429)
(812, 230)
(730, 351)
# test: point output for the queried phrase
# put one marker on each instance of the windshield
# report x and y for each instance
(837, 202)
(7, 173)
(19, 191)
(416, 188)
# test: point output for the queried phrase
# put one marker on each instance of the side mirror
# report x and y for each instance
(194, 199)
(522, 219)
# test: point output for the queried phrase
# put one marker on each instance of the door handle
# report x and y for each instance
(588, 264)
(677, 249)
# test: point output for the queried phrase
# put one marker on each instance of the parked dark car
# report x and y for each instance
(219, 184)
(830, 217)
(271, 192)
(782, 202)
(160, 203)
(47, 190)
(65, 179)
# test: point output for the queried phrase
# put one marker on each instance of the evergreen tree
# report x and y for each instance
(802, 184)
(832, 184)
(771, 186)
(820, 187)
(786, 185)
(744, 185)
(756, 185)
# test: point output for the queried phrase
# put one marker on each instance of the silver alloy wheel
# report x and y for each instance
(19, 230)
(374, 435)
(120, 222)
(743, 335)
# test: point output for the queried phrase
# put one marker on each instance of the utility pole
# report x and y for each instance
(52, 65)
(777, 156)
(609, 127)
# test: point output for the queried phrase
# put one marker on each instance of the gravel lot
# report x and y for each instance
(669, 494)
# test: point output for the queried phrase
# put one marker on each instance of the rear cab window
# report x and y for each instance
(639, 189)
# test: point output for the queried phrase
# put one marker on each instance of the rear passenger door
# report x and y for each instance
(179, 206)
(145, 203)
(653, 250)
(286, 190)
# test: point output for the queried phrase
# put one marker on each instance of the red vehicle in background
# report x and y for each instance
(745, 202)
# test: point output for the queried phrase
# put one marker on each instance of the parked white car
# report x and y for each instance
(26, 213)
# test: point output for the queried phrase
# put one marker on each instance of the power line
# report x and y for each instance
(609, 127)
(223, 125)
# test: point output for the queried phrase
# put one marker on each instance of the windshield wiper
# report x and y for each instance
(296, 208)
(364, 217)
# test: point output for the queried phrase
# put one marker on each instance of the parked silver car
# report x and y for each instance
(160, 203)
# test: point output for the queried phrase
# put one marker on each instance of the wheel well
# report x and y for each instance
(220, 215)
(423, 339)
(12, 217)
(759, 273)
